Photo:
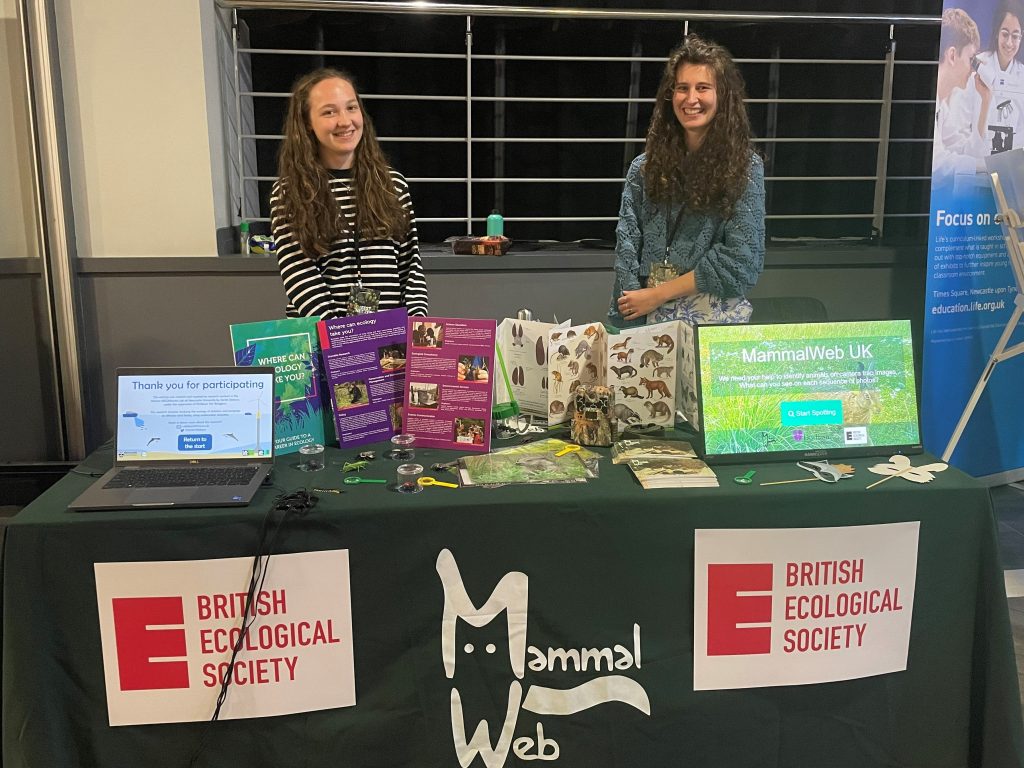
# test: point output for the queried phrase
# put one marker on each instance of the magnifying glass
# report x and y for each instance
(356, 480)
(427, 480)
(746, 479)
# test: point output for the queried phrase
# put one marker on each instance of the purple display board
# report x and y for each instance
(448, 388)
(364, 359)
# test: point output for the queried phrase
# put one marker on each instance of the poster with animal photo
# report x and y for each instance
(643, 368)
(524, 347)
(364, 360)
(448, 390)
(576, 355)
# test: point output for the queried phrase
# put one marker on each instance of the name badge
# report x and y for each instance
(362, 301)
(662, 273)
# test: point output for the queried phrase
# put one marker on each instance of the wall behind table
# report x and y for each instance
(17, 221)
(138, 136)
(162, 311)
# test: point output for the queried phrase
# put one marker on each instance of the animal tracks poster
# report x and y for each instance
(524, 346)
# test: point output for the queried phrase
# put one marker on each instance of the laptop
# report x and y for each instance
(793, 391)
(187, 437)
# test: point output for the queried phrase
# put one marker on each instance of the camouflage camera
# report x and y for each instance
(592, 407)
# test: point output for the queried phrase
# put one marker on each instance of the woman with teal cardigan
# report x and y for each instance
(690, 237)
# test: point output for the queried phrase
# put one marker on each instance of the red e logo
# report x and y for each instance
(727, 609)
(138, 644)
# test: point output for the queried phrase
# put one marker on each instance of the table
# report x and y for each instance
(600, 557)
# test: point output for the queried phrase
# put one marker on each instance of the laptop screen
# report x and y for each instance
(803, 390)
(189, 414)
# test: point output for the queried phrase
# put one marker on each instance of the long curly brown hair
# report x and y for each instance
(712, 178)
(306, 191)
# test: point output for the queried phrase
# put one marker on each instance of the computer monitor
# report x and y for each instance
(806, 390)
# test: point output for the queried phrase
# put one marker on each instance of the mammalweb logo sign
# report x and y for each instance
(802, 605)
(167, 629)
(511, 596)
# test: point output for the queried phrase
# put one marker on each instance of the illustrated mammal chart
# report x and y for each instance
(576, 355)
(643, 369)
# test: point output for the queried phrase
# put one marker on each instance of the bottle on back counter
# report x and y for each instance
(243, 237)
(495, 224)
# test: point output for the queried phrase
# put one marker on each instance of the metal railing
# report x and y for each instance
(882, 104)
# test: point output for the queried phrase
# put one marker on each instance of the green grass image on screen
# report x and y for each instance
(750, 374)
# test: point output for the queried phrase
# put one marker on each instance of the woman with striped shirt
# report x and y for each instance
(340, 217)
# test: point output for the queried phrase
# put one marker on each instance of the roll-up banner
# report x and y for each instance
(971, 286)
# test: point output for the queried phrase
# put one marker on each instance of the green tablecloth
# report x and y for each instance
(600, 557)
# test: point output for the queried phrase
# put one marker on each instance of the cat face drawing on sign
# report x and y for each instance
(465, 627)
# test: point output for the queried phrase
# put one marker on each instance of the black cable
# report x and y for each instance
(295, 504)
(84, 471)
(76, 471)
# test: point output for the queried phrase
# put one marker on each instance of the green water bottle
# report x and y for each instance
(243, 237)
(495, 224)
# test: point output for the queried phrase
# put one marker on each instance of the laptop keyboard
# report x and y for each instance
(183, 477)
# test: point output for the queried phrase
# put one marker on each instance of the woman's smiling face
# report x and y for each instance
(1009, 40)
(694, 101)
(336, 120)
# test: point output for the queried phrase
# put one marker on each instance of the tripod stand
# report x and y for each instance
(1011, 166)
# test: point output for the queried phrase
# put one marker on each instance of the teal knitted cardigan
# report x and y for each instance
(727, 255)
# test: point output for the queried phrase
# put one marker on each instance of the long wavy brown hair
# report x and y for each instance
(306, 191)
(712, 178)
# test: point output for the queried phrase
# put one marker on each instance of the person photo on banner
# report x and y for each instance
(690, 237)
(341, 218)
(994, 96)
(956, 145)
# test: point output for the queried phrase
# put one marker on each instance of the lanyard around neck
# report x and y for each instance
(671, 236)
(359, 260)
(356, 242)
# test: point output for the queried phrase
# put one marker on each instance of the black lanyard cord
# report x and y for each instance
(359, 260)
(675, 226)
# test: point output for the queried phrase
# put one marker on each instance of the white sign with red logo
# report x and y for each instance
(168, 628)
(802, 605)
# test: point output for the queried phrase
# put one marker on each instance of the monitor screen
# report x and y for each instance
(191, 414)
(807, 390)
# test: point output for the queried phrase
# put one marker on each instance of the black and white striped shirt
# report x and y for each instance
(320, 287)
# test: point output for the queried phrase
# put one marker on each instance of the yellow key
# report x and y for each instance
(568, 449)
(427, 480)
